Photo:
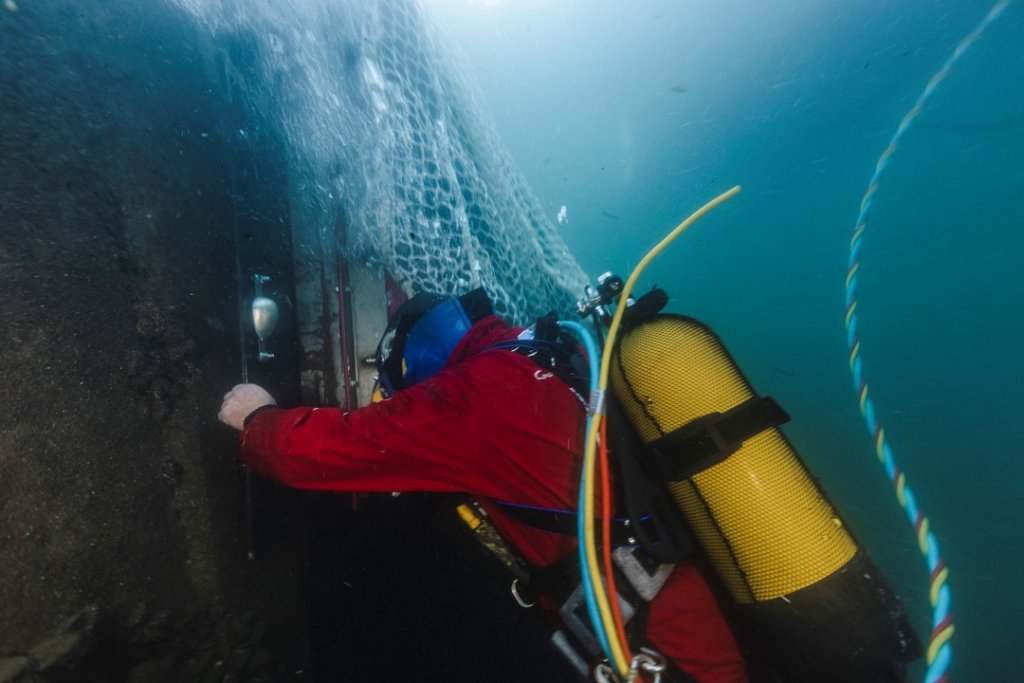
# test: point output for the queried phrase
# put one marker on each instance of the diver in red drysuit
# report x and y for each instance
(493, 424)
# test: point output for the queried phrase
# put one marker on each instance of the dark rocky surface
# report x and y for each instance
(121, 515)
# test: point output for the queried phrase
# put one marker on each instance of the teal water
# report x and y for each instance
(631, 116)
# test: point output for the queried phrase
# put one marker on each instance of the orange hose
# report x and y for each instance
(606, 543)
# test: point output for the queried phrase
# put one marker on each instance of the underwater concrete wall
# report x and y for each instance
(123, 179)
(142, 185)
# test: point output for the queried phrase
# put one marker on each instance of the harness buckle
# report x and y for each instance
(646, 661)
(604, 673)
(645, 575)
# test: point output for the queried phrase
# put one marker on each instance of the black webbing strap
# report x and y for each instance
(710, 439)
(673, 674)
(564, 522)
(556, 581)
(551, 356)
(665, 537)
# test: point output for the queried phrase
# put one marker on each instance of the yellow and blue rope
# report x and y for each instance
(940, 649)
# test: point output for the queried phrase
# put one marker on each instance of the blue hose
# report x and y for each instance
(593, 359)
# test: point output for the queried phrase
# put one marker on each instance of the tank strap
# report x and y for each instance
(564, 521)
(710, 439)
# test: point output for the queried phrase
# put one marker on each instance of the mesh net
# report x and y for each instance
(392, 149)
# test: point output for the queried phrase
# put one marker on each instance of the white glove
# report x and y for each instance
(241, 401)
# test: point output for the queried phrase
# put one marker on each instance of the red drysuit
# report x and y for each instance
(495, 425)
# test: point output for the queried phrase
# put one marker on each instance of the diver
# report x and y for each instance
(470, 406)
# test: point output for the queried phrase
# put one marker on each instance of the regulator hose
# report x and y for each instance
(598, 598)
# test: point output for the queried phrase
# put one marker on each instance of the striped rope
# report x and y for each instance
(940, 649)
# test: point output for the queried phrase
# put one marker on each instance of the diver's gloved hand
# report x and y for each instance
(241, 401)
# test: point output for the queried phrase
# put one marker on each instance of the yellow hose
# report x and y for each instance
(600, 594)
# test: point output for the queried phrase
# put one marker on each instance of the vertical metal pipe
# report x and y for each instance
(247, 473)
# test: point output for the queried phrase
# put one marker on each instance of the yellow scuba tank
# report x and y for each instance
(808, 605)
(804, 596)
(762, 520)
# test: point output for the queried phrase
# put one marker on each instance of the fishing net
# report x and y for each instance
(392, 148)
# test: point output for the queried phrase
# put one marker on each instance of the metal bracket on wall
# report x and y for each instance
(264, 317)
